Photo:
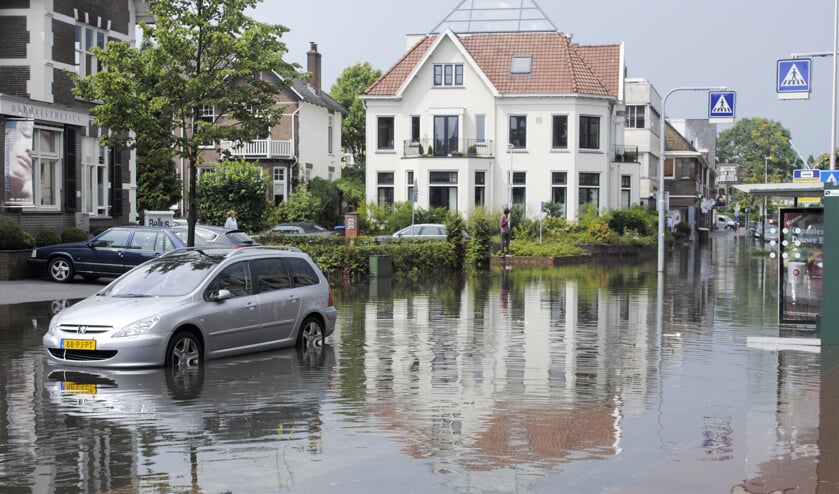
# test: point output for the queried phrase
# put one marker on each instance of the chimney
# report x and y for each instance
(313, 66)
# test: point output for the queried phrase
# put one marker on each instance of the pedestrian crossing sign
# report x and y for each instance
(721, 106)
(829, 176)
(793, 79)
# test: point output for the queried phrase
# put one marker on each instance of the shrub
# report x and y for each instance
(74, 234)
(681, 229)
(47, 236)
(479, 248)
(624, 220)
(11, 235)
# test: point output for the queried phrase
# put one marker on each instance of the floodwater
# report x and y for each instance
(578, 379)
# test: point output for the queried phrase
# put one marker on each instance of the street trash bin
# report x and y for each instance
(381, 266)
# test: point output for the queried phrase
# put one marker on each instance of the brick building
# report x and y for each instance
(55, 172)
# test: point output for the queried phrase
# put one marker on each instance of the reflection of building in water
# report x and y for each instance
(537, 383)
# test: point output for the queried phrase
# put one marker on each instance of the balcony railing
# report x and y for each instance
(259, 148)
(460, 148)
(625, 154)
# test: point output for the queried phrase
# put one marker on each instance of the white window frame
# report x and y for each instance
(95, 180)
(47, 165)
(448, 75)
(82, 46)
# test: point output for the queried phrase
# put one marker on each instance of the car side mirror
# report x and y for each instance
(220, 295)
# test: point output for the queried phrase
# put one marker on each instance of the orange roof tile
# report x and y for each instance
(558, 66)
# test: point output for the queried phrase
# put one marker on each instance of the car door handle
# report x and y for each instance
(250, 306)
(293, 298)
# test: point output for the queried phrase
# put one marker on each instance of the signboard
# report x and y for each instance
(160, 219)
(806, 176)
(829, 176)
(18, 169)
(721, 106)
(792, 79)
(802, 259)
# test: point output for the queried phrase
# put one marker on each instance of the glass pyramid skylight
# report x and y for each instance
(496, 16)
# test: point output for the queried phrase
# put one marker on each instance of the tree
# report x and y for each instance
(352, 82)
(236, 185)
(158, 185)
(750, 141)
(199, 53)
(300, 206)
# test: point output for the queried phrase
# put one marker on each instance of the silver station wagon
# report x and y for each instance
(191, 305)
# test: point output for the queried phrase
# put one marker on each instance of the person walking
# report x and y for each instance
(231, 223)
(504, 224)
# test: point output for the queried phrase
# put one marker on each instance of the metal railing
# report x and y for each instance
(624, 154)
(462, 148)
(259, 148)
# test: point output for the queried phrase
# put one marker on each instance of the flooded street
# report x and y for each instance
(576, 379)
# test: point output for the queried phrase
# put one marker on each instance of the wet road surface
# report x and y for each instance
(579, 379)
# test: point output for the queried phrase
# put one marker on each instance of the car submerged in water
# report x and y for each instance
(192, 305)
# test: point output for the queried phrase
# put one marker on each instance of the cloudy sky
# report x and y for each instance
(672, 43)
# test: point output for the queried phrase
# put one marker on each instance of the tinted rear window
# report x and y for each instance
(239, 238)
(301, 272)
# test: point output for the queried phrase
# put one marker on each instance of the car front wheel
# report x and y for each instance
(61, 269)
(184, 351)
(311, 335)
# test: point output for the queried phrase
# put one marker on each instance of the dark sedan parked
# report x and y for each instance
(109, 254)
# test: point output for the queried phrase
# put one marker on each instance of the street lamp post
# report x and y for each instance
(660, 194)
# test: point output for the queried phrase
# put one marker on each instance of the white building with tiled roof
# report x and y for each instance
(497, 112)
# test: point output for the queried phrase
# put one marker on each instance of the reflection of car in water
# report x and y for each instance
(282, 387)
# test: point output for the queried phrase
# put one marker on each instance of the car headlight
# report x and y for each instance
(138, 327)
(53, 326)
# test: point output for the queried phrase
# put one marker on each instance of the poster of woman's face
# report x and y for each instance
(19, 162)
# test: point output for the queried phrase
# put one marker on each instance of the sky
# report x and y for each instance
(672, 43)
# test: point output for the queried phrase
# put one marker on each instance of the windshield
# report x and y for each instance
(168, 276)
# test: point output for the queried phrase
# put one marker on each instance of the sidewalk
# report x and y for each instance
(37, 290)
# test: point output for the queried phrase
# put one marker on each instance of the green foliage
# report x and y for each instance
(194, 54)
(599, 231)
(636, 219)
(236, 185)
(681, 229)
(351, 185)
(338, 257)
(479, 247)
(301, 205)
(329, 196)
(587, 216)
(386, 219)
(158, 183)
(750, 141)
(74, 234)
(47, 236)
(352, 82)
(11, 235)
(555, 209)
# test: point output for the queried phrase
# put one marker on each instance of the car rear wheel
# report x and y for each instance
(61, 269)
(311, 335)
(184, 350)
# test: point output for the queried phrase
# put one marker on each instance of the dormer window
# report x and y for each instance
(448, 74)
(521, 64)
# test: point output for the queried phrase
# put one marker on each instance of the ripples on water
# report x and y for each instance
(561, 380)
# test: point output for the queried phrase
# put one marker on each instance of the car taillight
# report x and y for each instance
(330, 303)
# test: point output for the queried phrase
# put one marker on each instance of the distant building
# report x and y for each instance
(56, 174)
(305, 144)
(488, 113)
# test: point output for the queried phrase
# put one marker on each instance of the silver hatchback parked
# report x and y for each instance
(192, 305)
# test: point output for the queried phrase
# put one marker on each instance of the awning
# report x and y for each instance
(796, 189)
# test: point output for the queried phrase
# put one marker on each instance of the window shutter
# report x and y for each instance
(70, 156)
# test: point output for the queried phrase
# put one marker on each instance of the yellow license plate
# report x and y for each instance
(78, 388)
(78, 344)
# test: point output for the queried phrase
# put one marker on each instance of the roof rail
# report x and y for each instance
(248, 248)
